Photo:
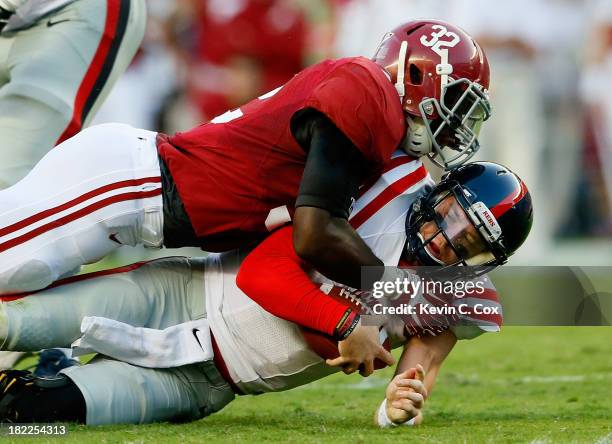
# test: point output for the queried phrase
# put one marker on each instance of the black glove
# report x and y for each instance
(4, 17)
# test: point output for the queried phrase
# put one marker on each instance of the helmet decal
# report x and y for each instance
(510, 200)
(440, 47)
(493, 229)
(401, 69)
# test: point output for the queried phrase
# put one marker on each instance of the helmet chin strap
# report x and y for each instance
(418, 141)
(401, 69)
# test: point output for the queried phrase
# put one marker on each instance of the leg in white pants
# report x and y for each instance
(158, 294)
(91, 194)
(47, 72)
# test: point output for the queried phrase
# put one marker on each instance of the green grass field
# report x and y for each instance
(533, 385)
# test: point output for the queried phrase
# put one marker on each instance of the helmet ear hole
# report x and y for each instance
(416, 76)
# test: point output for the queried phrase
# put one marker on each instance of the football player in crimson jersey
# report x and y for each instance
(298, 153)
(253, 351)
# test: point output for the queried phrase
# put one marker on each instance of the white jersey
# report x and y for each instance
(379, 214)
(265, 353)
(30, 11)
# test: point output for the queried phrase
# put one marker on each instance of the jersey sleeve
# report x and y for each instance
(479, 313)
(354, 99)
(274, 277)
(379, 214)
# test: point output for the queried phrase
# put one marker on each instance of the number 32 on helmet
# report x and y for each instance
(441, 75)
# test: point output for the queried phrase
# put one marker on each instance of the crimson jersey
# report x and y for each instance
(231, 172)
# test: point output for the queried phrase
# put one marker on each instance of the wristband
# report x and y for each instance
(348, 322)
(382, 419)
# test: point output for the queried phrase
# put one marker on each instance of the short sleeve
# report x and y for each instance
(362, 103)
(480, 313)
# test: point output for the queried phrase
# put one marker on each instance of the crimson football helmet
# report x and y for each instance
(442, 80)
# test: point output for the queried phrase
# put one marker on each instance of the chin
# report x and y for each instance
(408, 260)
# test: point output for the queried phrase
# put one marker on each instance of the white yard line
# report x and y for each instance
(564, 378)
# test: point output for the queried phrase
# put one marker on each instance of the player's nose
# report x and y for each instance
(435, 246)
(442, 250)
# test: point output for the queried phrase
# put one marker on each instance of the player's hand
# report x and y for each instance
(359, 350)
(406, 395)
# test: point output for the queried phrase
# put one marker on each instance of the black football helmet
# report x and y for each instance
(478, 215)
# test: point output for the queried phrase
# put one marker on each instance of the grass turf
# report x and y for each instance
(543, 385)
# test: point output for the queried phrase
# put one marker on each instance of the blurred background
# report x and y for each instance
(551, 65)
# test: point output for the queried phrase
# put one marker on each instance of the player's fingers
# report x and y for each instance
(350, 368)
(367, 368)
(406, 374)
(418, 387)
(385, 356)
(336, 362)
(420, 372)
(407, 406)
(417, 399)
(414, 384)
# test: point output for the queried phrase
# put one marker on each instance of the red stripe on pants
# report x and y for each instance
(77, 215)
(89, 195)
(86, 87)
(79, 278)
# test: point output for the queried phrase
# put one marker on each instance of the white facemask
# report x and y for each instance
(417, 141)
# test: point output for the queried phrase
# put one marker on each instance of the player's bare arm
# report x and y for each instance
(415, 377)
(334, 170)
(428, 351)
(331, 245)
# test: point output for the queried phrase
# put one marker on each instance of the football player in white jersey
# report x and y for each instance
(217, 342)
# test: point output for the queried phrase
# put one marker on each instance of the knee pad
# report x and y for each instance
(28, 398)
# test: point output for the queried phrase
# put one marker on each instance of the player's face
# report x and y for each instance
(447, 137)
(466, 243)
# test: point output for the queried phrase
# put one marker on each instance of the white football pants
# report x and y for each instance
(55, 74)
(91, 194)
(156, 294)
